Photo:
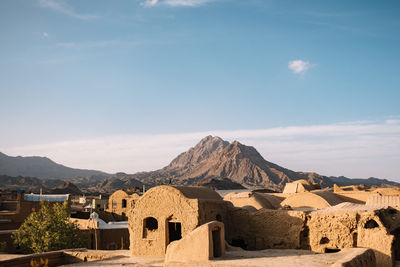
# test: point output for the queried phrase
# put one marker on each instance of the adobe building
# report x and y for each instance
(299, 186)
(120, 202)
(328, 225)
(168, 213)
(253, 200)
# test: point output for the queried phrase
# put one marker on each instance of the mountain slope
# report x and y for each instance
(213, 157)
(40, 167)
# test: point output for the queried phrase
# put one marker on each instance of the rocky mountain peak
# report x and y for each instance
(207, 148)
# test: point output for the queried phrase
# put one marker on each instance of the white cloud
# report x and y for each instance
(299, 66)
(45, 35)
(190, 3)
(353, 149)
(60, 6)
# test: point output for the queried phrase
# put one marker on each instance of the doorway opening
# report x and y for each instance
(216, 241)
(174, 231)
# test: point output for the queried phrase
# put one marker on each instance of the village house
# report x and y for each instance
(120, 202)
(167, 217)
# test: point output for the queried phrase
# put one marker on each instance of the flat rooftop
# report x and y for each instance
(269, 257)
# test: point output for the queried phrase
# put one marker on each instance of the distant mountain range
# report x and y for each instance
(212, 162)
(41, 167)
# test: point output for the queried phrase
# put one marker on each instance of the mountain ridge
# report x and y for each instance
(41, 167)
(211, 161)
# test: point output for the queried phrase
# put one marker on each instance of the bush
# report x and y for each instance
(48, 229)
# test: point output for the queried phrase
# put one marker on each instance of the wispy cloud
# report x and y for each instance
(45, 35)
(62, 7)
(355, 149)
(299, 66)
(188, 3)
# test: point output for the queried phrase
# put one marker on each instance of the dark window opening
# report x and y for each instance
(324, 240)
(331, 250)
(150, 225)
(124, 203)
(216, 238)
(392, 211)
(238, 242)
(123, 214)
(174, 231)
(371, 224)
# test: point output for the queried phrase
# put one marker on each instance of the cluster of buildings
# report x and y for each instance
(102, 220)
(193, 226)
(167, 219)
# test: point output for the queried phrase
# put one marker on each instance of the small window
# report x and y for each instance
(371, 224)
(124, 203)
(324, 240)
(150, 226)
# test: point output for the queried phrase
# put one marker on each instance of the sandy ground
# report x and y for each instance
(276, 257)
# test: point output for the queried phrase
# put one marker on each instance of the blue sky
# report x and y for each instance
(76, 71)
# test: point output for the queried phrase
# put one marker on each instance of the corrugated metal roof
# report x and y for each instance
(50, 198)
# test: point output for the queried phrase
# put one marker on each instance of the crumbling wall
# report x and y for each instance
(266, 229)
(373, 234)
(338, 229)
(276, 229)
(332, 230)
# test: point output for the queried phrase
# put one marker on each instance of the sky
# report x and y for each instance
(127, 85)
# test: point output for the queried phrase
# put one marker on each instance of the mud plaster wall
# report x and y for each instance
(211, 210)
(268, 229)
(276, 229)
(164, 204)
(344, 229)
(354, 196)
(305, 200)
(332, 230)
(256, 200)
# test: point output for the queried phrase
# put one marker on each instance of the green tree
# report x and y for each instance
(48, 229)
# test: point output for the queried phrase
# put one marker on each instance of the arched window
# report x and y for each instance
(150, 226)
(124, 203)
